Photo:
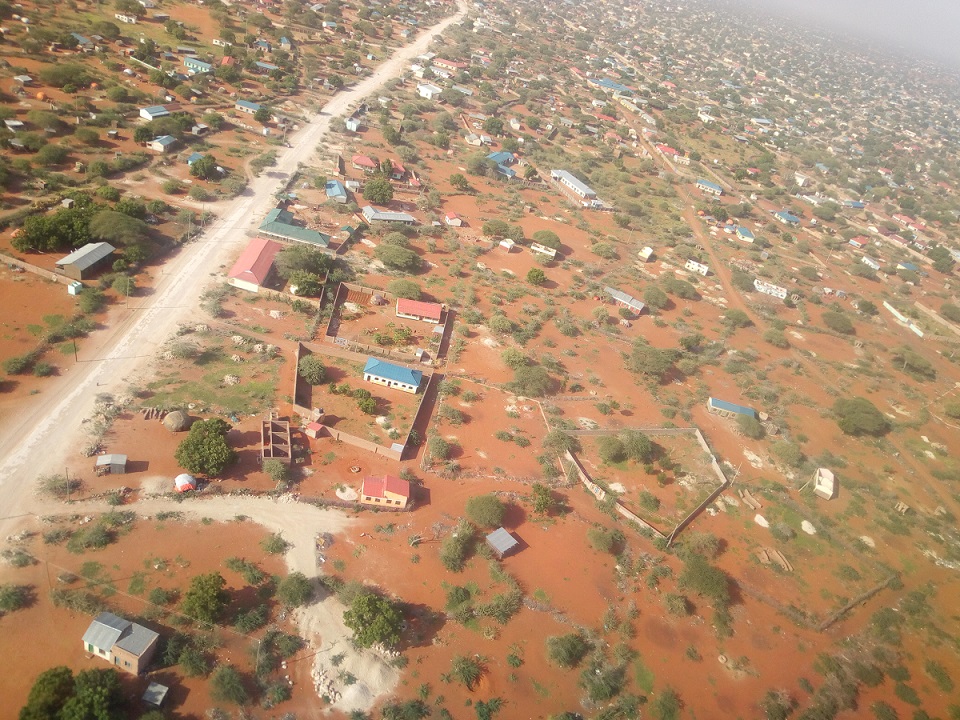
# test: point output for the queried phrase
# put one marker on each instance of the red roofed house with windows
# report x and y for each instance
(386, 491)
(253, 267)
(362, 162)
(418, 310)
(449, 64)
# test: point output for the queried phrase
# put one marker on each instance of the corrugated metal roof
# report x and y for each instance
(87, 256)
(255, 261)
(389, 371)
(502, 541)
(137, 639)
(419, 308)
(114, 459)
(105, 630)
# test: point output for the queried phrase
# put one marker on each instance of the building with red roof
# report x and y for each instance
(253, 267)
(386, 491)
(419, 310)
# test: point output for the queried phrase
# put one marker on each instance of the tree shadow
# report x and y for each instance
(423, 624)
(513, 515)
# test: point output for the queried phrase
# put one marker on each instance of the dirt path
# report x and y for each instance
(35, 441)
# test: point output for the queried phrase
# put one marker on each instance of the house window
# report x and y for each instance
(376, 499)
(127, 663)
(90, 648)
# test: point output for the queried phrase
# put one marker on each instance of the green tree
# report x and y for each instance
(750, 426)
(655, 297)
(13, 597)
(404, 289)
(226, 685)
(397, 258)
(205, 168)
(313, 370)
(205, 599)
(567, 651)
(205, 450)
(611, 449)
(278, 471)
(459, 182)
(531, 381)
(536, 276)
(637, 446)
(493, 125)
(96, 694)
(295, 590)
(50, 155)
(648, 360)
(951, 312)
(379, 191)
(262, 115)
(49, 693)
(486, 510)
(859, 416)
(374, 620)
(307, 284)
(495, 228)
(303, 258)
(547, 238)
(117, 227)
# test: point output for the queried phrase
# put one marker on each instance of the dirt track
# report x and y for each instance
(36, 441)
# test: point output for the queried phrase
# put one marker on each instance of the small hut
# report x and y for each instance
(184, 482)
(313, 430)
(502, 542)
(111, 464)
(824, 484)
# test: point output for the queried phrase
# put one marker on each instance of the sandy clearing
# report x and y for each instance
(321, 623)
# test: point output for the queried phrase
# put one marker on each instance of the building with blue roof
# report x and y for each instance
(787, 218)
(502, 157)
(336, 191)
(709, 187)
(608, 84)
(247, 106)
(196, 66)
(729, 409)
(855, 204)
(381, 372)
(265, 66)
(745, 234)
(194, 157)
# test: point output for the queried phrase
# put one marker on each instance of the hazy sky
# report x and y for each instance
(925, 27)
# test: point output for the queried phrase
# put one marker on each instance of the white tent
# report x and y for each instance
(185, 482)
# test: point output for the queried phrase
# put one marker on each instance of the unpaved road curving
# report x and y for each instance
(37, 439)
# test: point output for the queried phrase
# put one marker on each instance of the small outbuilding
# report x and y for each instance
(502, 542)
(111, 464)
(824, 484)
(184, 482)
(155, 694)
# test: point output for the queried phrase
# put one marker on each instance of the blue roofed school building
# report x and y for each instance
(196, 66)
(745, 234)
(247, 106)
(709, 187)
(381, 372)
(728, 409)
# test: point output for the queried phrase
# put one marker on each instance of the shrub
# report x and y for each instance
(439, 448)
(838, 322)
(604, 540)
(295, 590)
(776, 338)
(737, 319)
(666, 706)
(226, 685)
(456, 547)
(859, 416)
(706, 580)
(567, 651)
(750, 426)
(486, 510)
(602, 683)
(13, 597)
(274, 544)
(676, 604)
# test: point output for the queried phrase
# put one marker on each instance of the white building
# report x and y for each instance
(428, 91)
(769, 289)
(699, 268)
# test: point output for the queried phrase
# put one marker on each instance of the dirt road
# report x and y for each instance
(37, 440)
